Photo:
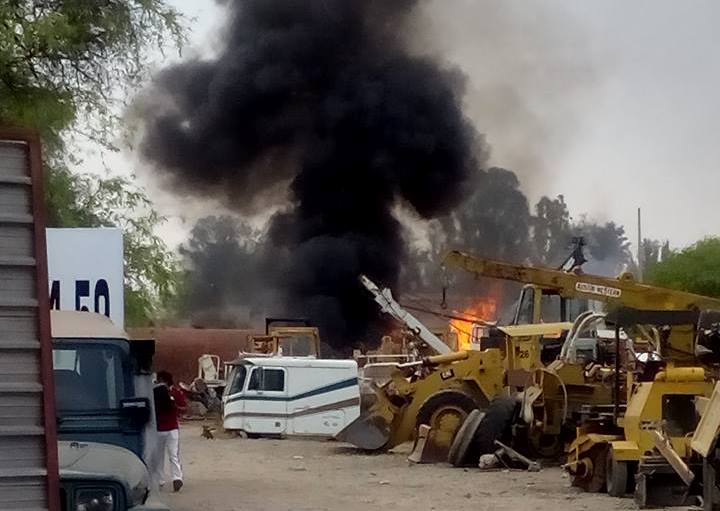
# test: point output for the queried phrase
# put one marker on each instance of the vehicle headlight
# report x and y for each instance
(95, 499)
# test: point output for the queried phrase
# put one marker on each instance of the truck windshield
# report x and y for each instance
(88, 377)
(237, 380)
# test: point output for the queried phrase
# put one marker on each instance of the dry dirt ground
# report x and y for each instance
(234, 474)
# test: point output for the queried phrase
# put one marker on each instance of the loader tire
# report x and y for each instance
(445, 411)
(616, 476)
(496, 425)
(460, 455)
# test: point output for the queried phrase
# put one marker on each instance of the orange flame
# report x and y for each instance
(483, 309)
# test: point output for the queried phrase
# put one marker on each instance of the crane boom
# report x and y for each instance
(623, 291)
(389, 306)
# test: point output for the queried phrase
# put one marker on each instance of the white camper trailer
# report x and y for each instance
(291, 396)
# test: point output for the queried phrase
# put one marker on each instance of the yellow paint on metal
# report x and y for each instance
(550, 330)
(681, 374)
(625, 450)
(709, 425)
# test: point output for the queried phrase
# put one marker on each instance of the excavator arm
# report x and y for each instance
(388, 305)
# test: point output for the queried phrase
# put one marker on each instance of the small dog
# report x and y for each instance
(207, 432)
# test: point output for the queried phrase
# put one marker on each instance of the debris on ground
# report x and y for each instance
(202, 399)
(488, 461)
(516, 458)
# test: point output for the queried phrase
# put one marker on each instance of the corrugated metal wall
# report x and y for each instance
(24, 453)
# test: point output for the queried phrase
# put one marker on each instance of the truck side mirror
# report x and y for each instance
(137, 409)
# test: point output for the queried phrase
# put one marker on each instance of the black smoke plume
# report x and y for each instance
(320, 104)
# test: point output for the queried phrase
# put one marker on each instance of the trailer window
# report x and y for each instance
(263, 378)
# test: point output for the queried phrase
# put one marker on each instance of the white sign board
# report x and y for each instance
(85, 271)
(596, 289)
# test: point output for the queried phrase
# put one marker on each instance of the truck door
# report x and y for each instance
(266, 401)
(234, 399)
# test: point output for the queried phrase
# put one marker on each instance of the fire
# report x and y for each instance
(483, 309)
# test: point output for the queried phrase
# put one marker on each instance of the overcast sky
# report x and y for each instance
(614, 104)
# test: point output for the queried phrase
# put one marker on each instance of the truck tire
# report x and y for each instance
(460, 450)
(616, 476)
(496, 425)
(445, 411)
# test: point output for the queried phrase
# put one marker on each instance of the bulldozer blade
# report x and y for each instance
(368, 432)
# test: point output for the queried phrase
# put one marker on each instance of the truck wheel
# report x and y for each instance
(445, 412)
(616, 476)
(460, 455)
(496, 425)
(594, 481)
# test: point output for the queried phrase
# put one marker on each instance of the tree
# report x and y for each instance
(608, 249)
(492, 221)
(695, 269)
(228, 280)
(653, 251)
(551, 231)
(152, 273)
(66, 69)
(71, 64)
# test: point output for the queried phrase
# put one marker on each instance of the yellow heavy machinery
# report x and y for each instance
(563, 391)
(440, 391)
(647, 443)
(563, 388)
(290, 337)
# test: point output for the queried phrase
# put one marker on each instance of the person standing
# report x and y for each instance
(170, 403)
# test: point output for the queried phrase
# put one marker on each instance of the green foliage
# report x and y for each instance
(550, 231)
(653, 251)
(71, 63)
(224, 256)
(607, 248)
(495, 217)
(66, 70)
(695, 269)
(152, 274)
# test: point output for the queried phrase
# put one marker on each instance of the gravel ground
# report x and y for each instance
(234, 474)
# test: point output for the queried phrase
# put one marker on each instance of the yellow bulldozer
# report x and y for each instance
(441, 390)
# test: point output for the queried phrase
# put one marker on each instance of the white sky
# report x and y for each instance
(614, 104)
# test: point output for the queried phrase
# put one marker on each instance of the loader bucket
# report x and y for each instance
(369, 432)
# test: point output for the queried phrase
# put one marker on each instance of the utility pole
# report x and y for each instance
(639, 247)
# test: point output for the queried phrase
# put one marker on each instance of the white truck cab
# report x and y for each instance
(282, 396)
